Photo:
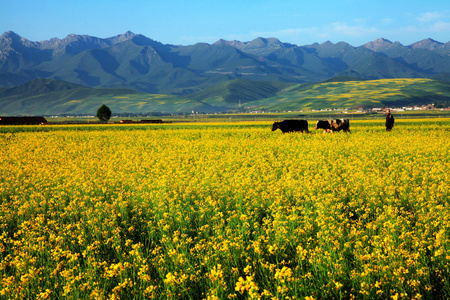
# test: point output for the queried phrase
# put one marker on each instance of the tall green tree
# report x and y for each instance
(104, 113)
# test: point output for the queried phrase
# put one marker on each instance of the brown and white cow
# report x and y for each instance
(333, 125)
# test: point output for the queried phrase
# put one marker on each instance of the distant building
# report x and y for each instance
(22, 120)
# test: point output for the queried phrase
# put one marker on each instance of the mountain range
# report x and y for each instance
(133, 61)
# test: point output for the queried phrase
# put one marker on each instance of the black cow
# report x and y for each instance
(333, 125)
(291, 126)
(323, 124)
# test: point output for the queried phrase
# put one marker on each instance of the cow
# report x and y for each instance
(323, 124)
(291, 126)
(333, 125)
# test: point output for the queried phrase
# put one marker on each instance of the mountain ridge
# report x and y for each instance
(137, 62)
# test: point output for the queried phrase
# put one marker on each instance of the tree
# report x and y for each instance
(104, 113)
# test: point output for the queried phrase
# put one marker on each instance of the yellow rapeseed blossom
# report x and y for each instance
(225, 210)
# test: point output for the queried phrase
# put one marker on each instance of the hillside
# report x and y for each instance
(338, 92)
(239, 91)
(133, 61)
(53, 97)
(354, 94)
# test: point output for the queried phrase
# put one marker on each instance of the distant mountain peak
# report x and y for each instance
(268, 42)
(124, 37)
(221, 42)
(378, 44)
(429, 44)
(326, 43)
(10, 34)
(233, 43)
(127, 35)
(256, 45)
(11, 38)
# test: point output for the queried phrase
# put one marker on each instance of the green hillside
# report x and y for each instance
(352, 94)
(53, 97)
(338, 92)
(239, 91)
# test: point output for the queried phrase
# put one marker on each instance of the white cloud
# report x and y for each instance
(352, 31)
(287, 32)
(387, 21)
(409, 30)
(430, 17)
(440, 27)
(360, 20)
(324, 36)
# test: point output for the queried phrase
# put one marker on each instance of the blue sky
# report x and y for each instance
(186, 22)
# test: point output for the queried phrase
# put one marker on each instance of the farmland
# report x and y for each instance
(225, 211)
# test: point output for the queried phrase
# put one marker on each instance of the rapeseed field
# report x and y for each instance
(225, 211)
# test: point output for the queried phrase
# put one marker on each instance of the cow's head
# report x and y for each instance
(275, 126)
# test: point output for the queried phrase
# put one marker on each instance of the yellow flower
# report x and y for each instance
(170, 279)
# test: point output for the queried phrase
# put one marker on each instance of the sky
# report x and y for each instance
(186, 22)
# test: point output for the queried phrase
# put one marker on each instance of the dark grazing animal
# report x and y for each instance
(333, 125)
(291, 126)
(323, 124)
